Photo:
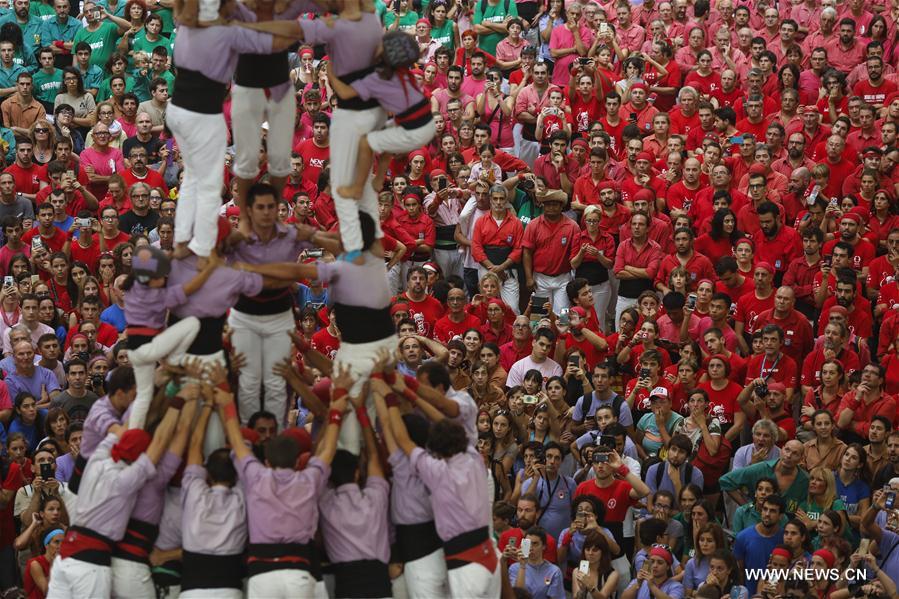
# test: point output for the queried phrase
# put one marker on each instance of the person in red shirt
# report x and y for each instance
(800, 275)
(760, 299)
(316, 150)
(52, 238)
(456, 320)
(526, 514)
(698, 266)
(548, 243)
(851, 226)
(848, 296)
(615, 486)
(139, 171)
(864, 402)
(85, 247)
(520, 346)
(24, 170)
(798, 335)
(772, 365)
(587, 187)
(420, 227)
(840, 168)
(424, 309)
(326, 341)
(778, 244)
(768, 405)
(683, 194)
(834, 347)
(110, 235)
(874, 89)
(496, 244)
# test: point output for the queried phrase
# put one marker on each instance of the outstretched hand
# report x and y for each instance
(342, 377)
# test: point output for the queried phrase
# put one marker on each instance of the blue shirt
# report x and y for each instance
(888, 549)
(554, 498)
(32, 435)
(670, 587)
(42, 377)
(852, 494)
(115, 316)
(753, 550)
(696, 573)
(542, 582)
(625, 418)
(666, 484)
(65, 224)
(305, 296)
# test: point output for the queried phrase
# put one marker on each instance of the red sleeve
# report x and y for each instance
(14, 478)
(430, 233)
(517, 234)
(477, 247)
(808, 371)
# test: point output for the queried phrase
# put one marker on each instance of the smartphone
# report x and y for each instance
(35, 243)
(526, 547)
(600, 458)
(607, 441)
(529, 400)
(583, 60)
(864, 547)
(575, 360)
(644, 373)
(8, 281)
(441, 184)
(691, 301)
(584, 567)
(84, 223)
(46, 471)
(890, 500)
(513, 542)
(633, 116)
(646, 567)
(537, 302)
(828, 260)
(70, 174)
(315, 253)
(738, 139)
(603, 28)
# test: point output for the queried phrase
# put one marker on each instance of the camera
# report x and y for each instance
(526, 185)
(761, 390)
(96, 381)
(46, 471)
(539, 455)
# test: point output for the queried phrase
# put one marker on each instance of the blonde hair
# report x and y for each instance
(830, 491)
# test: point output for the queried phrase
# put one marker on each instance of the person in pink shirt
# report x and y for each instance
(101, 161)
(846, 51)
(568, 42)
(630, 35)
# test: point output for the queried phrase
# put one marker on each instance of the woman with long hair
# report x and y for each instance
(482, 390)
(884, 218)
(722, 237)
(28, 420)
(851, 486)
(122, 255)
(724, 573)
(51, 515)
(73, 93)
(601, 579)
(505, 448)
(50, 315)
(502, 488)
(57, 423)
(723, 393)
(824, 449)
(489, 355)
(595, 251)
(822, 498)
(43, 141)
(709, 539)
(106, 114)
(704, 79)
(826, 396)
(443, 29)
(36, 580)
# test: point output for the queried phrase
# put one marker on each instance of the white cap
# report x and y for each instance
(659, 392)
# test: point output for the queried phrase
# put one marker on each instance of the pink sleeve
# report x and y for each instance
(5, 401)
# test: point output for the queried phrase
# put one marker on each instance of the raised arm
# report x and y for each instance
(196, 283)
(224, 402)
(177, 411)
(290, 29)
(195, 448)
(281, 270)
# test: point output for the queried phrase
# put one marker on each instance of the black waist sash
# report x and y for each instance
(415, 116)
(262, 70)
(415, 541)
(202, 571)
(461, 550)
(209, 339)
(446, 237)
(361, 578)
(356, 103)
(77, 472)
(268, 557)
(86, 545)
(269, 301)
(497, 254)
(359, 324)
(167, 574)
(594, 272)
(632, 288)
(137, 543)
(196, 92)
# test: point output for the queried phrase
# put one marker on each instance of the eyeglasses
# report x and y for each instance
(101, 133)
(109, 218)
(41, 130)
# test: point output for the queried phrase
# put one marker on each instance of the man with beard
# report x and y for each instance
(840, 167)
(698, 266)
(833, 348)
(547, 246)
(140, 219)
(424, 309)
(845, 51)
(890, 470)
(473, 85)
(772, 365)
(614, 214)
(851, 227)
(636, 264)
(779, 244)
(554, 491)
(876, 449)
(792, 480)
(754, 545)
(800, 275)
(674, 468)
(457, 319)
(798, 335)
(532, 99)
(643, 178)
(644, 202)
(588, 187)
(864, 402)
(453, 91)
(847, 295)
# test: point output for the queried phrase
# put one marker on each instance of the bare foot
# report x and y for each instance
(350, 192)
(181, 251)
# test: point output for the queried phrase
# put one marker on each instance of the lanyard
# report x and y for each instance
(762, 374)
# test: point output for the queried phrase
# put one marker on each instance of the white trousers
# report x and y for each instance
(263, 340)
(281, 584)
(174, 591)
(249, 109)
(75, 579)
(613, 301)
(473, 581)
(449, 261)
(212, 594)
(426, 576)
(398, 140)
(509, 292)
(215, 432)
(360, 358)
(169, 344)
(602, 294)
(553, 288)
(395, 278)
(202, 139)
(623, 304)
(347, 126)
(131, 580)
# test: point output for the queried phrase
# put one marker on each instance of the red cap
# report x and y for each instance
(644, 194)
(131, 444)
(301, 436)
(607, 184)
(780, 551)
(249, 434)
(437, 172)
(423, 22)
(827, 555)
(853, 217)
(232, 211)
(765, 266)
(775, 386)
(639, 85)
(580, 141)
(809, 108)
(662, 553)
(757, 169)
(322, 390)
(223, 231)
(644, 156)
(579, 311)
(306, 52)
(836, 309)
(399, 307)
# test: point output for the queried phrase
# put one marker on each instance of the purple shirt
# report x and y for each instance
(109, 490)
(169, 536)
(220, 292)
(458, 489)
(283, 247)
(282, 504)
(410, 502)
(151, 498)
(354, 521)
(352, 284)
(65, 465)
(392, 94)
(346, 58)
(96, 426)
(16, 383)
(214, 519)
(147, 306)
(213, 51)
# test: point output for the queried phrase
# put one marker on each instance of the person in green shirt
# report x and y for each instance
(748, 514)
(490, 25)
(29, 25)
(444, 31)
(116, 65)
(47, 79)
(158, 69)
(102, 32)
(9, 70)
(150, 37)
(91, 74)
(42, 10)
(792, 480)
(400, 15)
(58, 33)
